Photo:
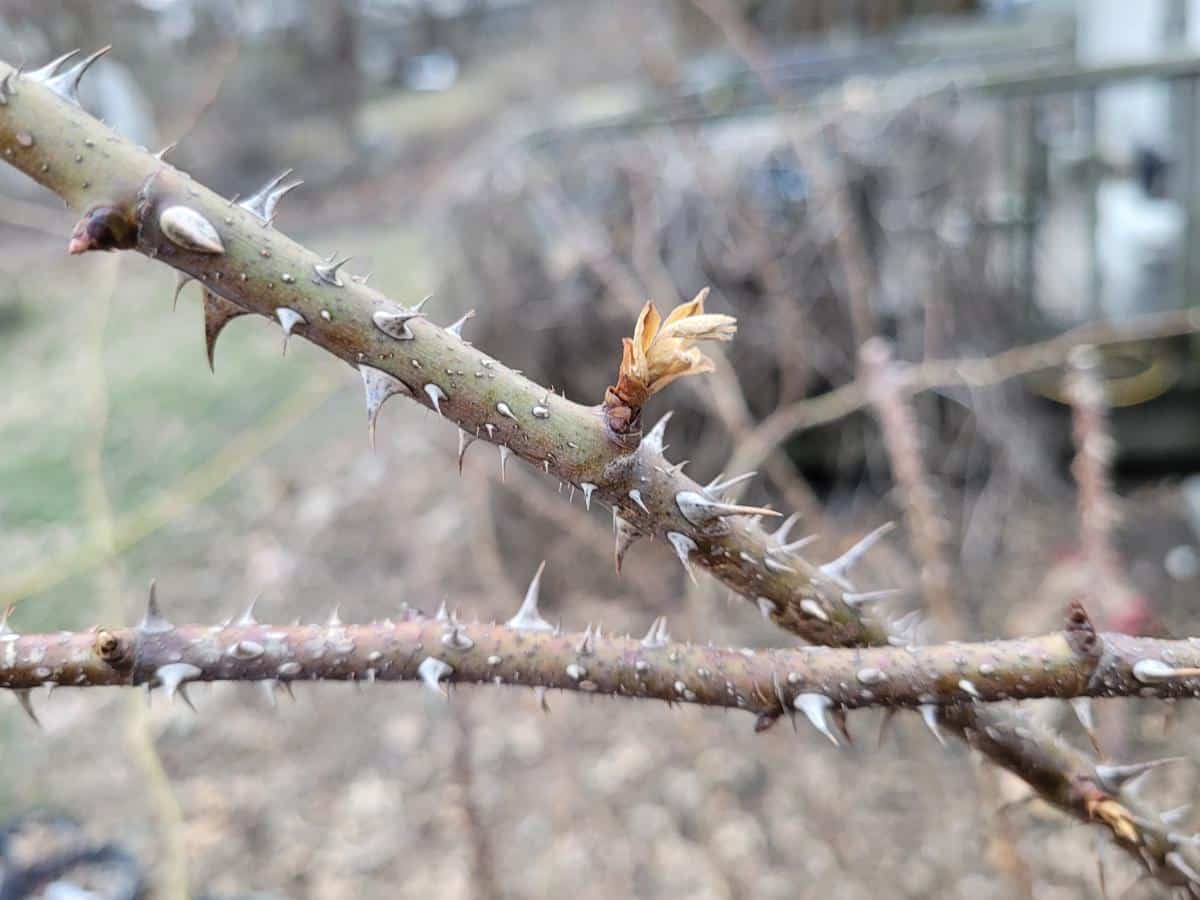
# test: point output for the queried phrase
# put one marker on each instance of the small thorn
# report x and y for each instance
(442, 615)
(173, 677)
(811, 607)
(929, 714)
(262, 203)
(436, 395)
(288, 320)
(1083, 712)
(1117, 777)
(785, 527)
(48, 71)
(588, 489)
(657, 637)
(464, 441)
(766, 606)
(247, 617)
(335, 617)
(491, 430)
(394, 323)
(25, 698)
(327, 272)
(504, 453)
(814, 707)
(457, 328)
(719, 485)
(701, 511)
(379, 386)
(432, 671)
(186, 228)
(625, 537)
(684, 546)
(788, 549)
(584, 645)
(5, 628)
(528, 618)
(218, 312)
(654, 437)
(66, 84)
(836, 569)
(153, 622)
(420, 306)
(180, 284)
(860, 598)
(162, 154)
(636, 496)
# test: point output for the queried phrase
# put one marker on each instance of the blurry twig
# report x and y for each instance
(926, 524)
(98, 506)
(944, 373)
(483, 870)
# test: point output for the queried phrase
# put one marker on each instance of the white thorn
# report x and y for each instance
(812, 608)
(654, 437)
(929, 713)
(766, 606)
(775, 565)
(504, 453)
(247, 618)
(584, 645)
(1083, 712)
(814, 707)
(718, 485)
(836, 569)
(335, 618)
(432, 670)
(50, 69)
(153, 622)
(262, 202)
(378, 386)
(588, 489)
(66, 84)
(700, 510)
(186, 228)
(173, 676)
(968, 687)
(785, 528)
(800, 544)
(859, 598)
(328, 272)
(288, 320)
(657, 637)
(442, 614)
(684, 546)
(457, 328)
(394, 323)
(464, 441)
(1116, 777)
(436, 395)
(636, 496)
(505, 410)
(528, 617)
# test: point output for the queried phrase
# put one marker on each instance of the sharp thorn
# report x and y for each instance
(432, 671)
(25, 698)
(528, 617)
(929, 715)
(815, 707)
(457, 328)
(218, 312)
(837, 568)
(153, 622)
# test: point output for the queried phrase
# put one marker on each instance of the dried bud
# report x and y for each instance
(661, 351)
(103, 228)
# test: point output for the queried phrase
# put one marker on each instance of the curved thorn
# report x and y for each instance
(50, 69)
(929, 715)
(814, 707)
(684, 546)
(218, 312)
(328, 272)
(183, 280)
(457, 328)
(654, 437)
(378, 386)
(25, 698)
(432, 671)
(66, 84)
(464, 441)
(717, 485)
(153, 621)
(436, 395)
(262, 202)
(288, 320)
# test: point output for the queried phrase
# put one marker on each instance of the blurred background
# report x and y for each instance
(957, 177)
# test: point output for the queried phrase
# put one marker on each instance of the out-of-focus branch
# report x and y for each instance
(936, 374)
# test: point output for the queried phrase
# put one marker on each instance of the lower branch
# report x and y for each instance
(529, 652)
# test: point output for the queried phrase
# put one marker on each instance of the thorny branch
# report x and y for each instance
(528, 651)
(133, 199)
